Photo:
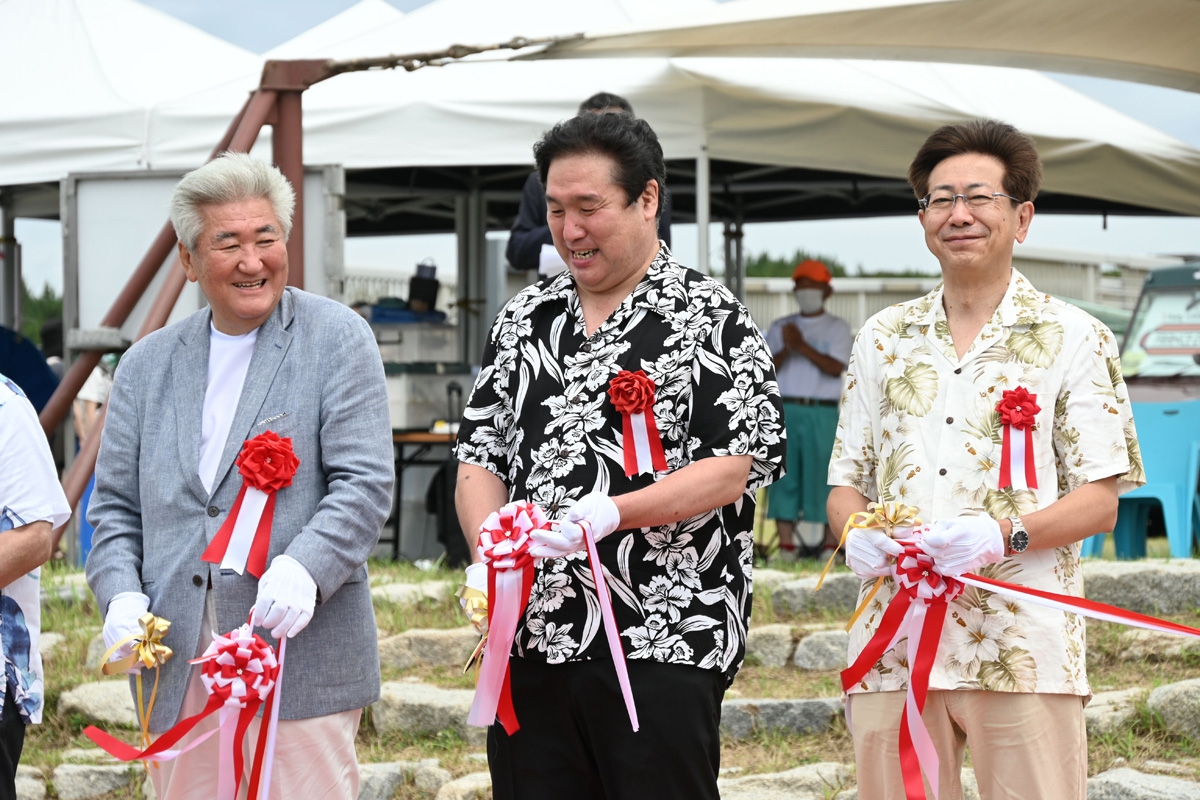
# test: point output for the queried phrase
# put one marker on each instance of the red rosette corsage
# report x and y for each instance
(1018, 410)
(267, 464)
(632, 394)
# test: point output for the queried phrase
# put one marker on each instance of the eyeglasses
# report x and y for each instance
(943, 202)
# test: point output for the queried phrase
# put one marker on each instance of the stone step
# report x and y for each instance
(808, 782)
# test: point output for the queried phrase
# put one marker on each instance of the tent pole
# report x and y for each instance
(703, 207)
(739, 261)
(10, 295)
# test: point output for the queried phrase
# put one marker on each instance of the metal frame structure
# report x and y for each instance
(276, 102)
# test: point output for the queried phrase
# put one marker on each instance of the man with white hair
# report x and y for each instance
(268, 366)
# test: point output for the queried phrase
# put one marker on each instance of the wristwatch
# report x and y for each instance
(1018, 540)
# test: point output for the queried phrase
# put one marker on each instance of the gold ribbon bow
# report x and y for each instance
(888, 516)
(475, 604)
(149, 650)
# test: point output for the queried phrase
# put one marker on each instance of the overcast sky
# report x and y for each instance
(873, 244)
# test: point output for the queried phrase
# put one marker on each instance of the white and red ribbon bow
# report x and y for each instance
(267, 464)
(632, 393)
(504, 540)
(919, 610)
(504, 546)
(240, 673)
(1017, 410)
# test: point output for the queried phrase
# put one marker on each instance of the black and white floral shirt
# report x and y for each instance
(540, 418)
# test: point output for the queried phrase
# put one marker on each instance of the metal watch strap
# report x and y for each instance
(1019, 534)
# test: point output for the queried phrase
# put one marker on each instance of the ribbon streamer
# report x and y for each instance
(609, 619)
(919, 610)
(240, 672)
(504, 546)
(267, 464)
(1017, 409)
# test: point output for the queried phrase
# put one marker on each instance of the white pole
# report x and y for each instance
(702, 209)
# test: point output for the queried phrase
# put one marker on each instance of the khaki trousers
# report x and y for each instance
(1023, 746)
(313, 757)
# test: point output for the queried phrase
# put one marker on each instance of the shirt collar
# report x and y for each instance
(1021, 305)
(660, 284)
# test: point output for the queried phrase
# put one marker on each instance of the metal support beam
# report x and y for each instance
(287, 145)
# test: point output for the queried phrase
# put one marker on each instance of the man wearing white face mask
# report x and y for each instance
(811, 350)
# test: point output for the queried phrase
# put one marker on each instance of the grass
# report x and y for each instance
(1143, 739)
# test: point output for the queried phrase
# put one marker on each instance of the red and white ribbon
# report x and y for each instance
(616, 651)
(632, 394)
(1017, 409)
(504, 546)
(240, 673)
(919, 610)
(267, 464)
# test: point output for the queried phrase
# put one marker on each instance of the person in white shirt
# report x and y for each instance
(32, 505)
(811, 350)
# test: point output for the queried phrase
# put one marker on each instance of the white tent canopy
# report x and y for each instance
(82, 75)
(862, 117)
(325, 39)
(859, 117)
(1149, 41)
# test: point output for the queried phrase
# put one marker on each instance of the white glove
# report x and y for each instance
(963, 544)
(870, 552)
(287, 595)
(124, 611)
(596, 510)
(477, 579)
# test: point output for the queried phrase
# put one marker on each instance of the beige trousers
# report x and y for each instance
(1023, 746)
(313, 757)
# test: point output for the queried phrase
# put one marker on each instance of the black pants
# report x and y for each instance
(576, 743)
(12, 741)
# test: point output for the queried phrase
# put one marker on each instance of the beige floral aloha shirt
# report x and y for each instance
(920, 426)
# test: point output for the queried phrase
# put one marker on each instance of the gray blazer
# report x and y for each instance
(316, 377)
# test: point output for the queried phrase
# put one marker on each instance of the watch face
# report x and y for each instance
(1019, 541)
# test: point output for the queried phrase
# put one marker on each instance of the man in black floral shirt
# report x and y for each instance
(541, 426)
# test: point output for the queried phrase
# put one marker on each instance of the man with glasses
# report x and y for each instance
(935, 389)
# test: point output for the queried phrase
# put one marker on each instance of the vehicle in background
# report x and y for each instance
(1161, 355)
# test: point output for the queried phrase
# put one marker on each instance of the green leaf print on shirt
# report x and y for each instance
(1014, 670)
(914, 391)
(1039, 346)
(1009, 502)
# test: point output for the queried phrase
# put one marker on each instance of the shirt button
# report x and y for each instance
(197, 580)
(585, 348)
(949, 420)
(942, 471)
(213, 511)
(958, 371)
